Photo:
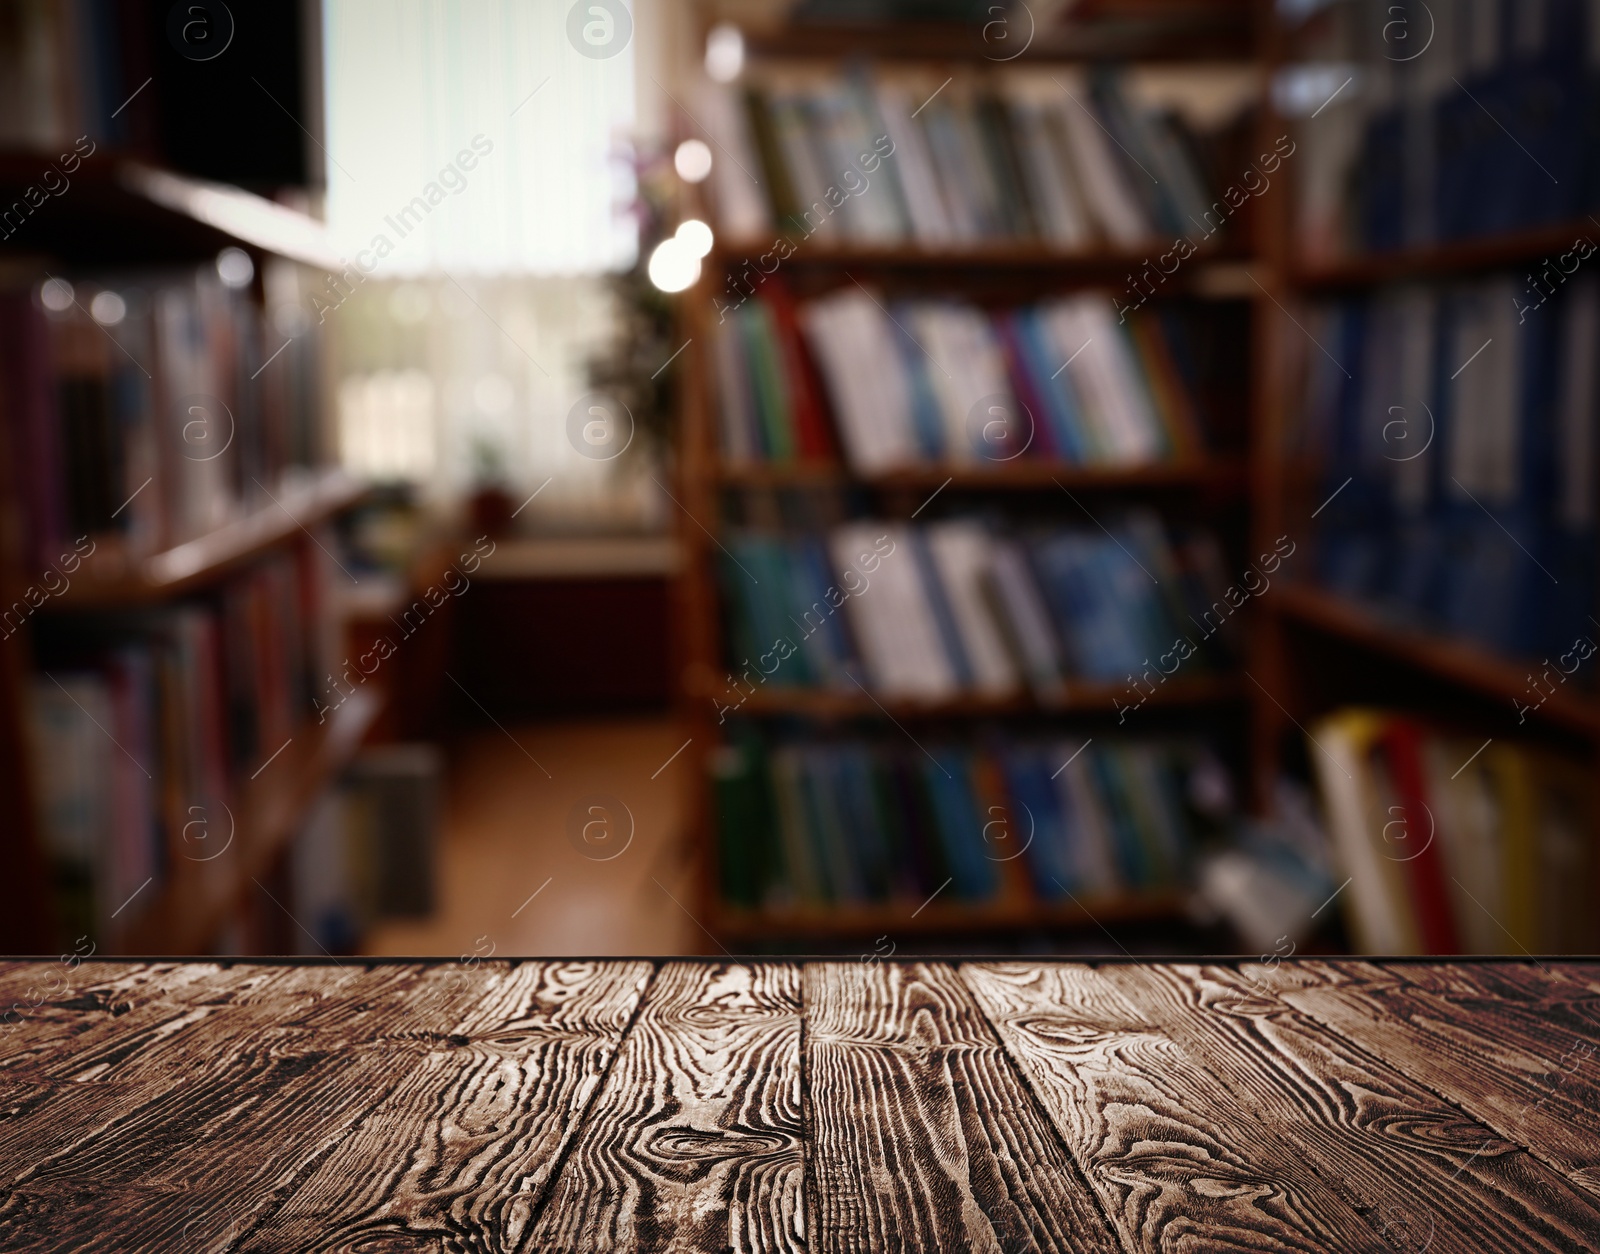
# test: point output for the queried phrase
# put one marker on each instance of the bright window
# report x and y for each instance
(476, 137)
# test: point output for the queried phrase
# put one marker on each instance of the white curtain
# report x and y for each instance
(414, 84)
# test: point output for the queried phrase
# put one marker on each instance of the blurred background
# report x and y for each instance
(788, 476)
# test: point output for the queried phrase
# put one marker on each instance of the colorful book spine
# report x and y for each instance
(856, 822)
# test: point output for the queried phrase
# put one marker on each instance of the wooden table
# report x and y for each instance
(688, 1105)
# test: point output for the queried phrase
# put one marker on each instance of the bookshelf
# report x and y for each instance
(1329, 656)
(120, 211)
(1219, 474)
(202, 897)
(110, 581)
(131, 224)
(842, 923)
(1461, 664)
(716, 493)
(1445, 260)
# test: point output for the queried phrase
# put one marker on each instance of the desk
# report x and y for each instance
(861, 1106)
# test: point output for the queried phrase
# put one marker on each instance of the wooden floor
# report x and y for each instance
(697, 1105)
(509, 798)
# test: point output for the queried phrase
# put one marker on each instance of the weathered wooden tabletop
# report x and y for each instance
(685, 1105)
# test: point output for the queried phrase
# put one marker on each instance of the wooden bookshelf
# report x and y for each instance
(1454, 661)
(999, 274)
(1060, 264)
(1080, 697)
(199, 897)
(936, 917)
(1211, 474)
(1152, 30)
(1443, 260)
(120, 214)
(1446, 679)
(112, 582)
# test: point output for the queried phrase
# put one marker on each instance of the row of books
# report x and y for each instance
(65, 70)
(853, 822)
(920, 381)
(1456, 427)
(144, 732)
(1462, 120)
(1452, 846)
(883, 156)
(147, 409)
(929, 612)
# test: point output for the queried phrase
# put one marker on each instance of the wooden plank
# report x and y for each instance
(695, 1143)
(922, 1136)
(1552, 983)
(1396, 1149)
(45, 1004)
(1517, 1066)
(457, 1146)
(200, 1110)
(1175, 1162)
(72, 1065)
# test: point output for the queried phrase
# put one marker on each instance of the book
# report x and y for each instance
(929, 612)
(1451, 846)
(148, 431)
(911, 382)
(163, 720)
(859, 821)
(1453, 429)
(884, 156)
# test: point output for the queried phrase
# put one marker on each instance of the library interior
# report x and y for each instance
(883, 480)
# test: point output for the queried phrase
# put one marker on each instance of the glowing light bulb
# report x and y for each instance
(692, 160)
(234, 267)
(724, 52)
(673, 266)
(108, 309)
(694, 235)
(56, 295)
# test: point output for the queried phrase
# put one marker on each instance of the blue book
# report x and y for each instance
(944, 619)
(959, 825)
(1383, 178)
(1027, 775)
(1133, 863)
(1054, 384)
(867, 840)
(927, 421)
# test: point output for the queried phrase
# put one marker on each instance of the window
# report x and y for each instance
(475, 137)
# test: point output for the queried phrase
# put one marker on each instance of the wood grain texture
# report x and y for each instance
(457, 1148)
(696, 1142)
(922, 1135)
(76, 1063)
(198, 1120)
(1526, 1066)
(1410, 1161)
(710, 1106)
(1176, 1164)
(212, 1125)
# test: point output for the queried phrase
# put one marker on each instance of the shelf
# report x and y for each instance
(109, 581)
(199, 897)
(1448, 258)
(1214, 473)
(1153, 30)
(982, 259)
(117, 211)
(1458, 662)
(1081, 697)
(907, 918)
